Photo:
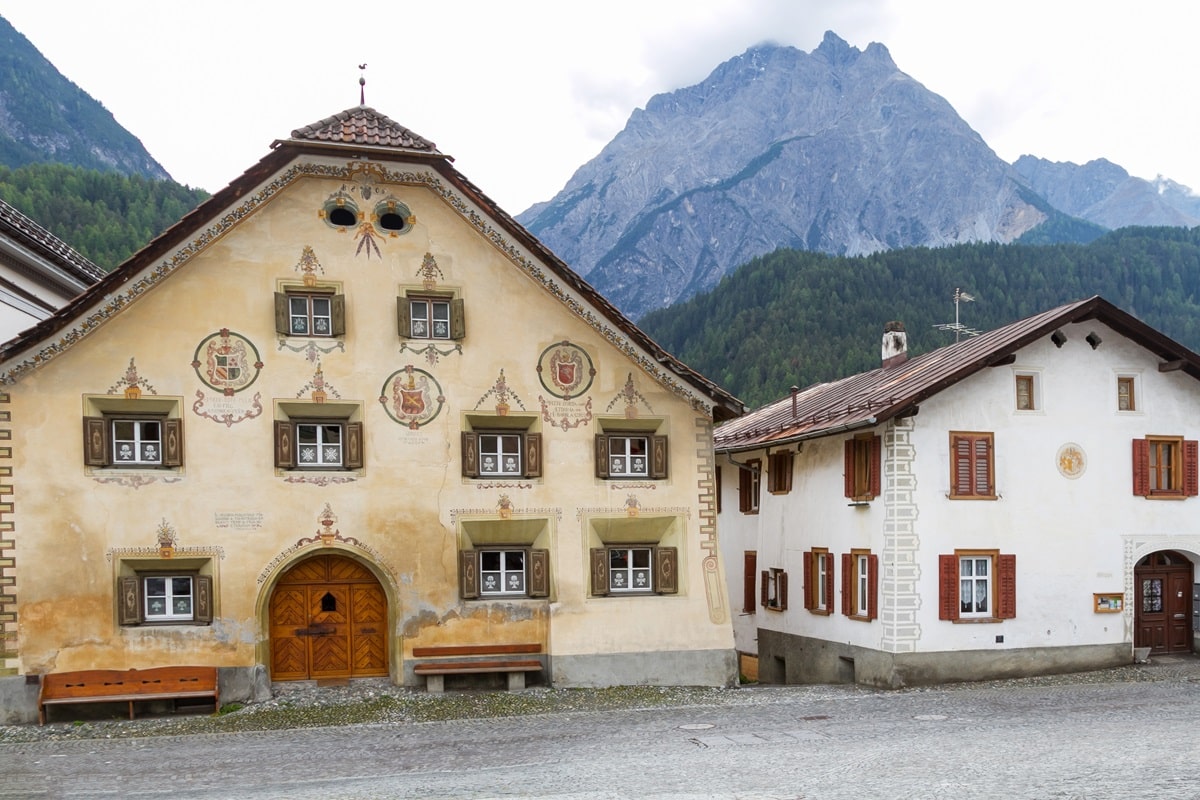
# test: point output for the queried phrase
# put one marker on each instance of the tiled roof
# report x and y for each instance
(869, 398)
(21, 229)
(363, 125)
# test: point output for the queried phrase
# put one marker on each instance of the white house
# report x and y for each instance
(1017, 503)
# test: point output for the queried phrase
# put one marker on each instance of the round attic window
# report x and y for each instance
(393, 218)
(340, 212)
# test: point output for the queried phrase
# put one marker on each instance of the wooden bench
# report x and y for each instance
(484, 658)
(127, 686)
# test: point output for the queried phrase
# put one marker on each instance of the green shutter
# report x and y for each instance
(599, 563)
(282, 325)
(403, 318)
(458, 319)
(337, 313)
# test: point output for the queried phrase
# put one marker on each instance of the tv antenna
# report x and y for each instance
(959, 329)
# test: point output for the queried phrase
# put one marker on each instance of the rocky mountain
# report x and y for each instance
(1104, 193)
(46, 118)
(836, 151)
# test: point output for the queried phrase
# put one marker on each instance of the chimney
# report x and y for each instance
(895, 344)
(795, 391)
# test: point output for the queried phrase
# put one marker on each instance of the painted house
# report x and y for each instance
(348, 409)
(1020, 502)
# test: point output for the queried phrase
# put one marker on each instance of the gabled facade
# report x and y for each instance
(345, 409)
(1017, 503)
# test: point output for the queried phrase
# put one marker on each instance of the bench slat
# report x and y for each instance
(454, 667)
(475, 650)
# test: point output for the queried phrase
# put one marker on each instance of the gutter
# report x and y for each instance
(869, 422)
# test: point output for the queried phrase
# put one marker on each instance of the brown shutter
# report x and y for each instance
(599, 571)
(960, 465)
(470, 454)
(948, 587)
(745, 487)
(1006, 576)
(202, 585)
(848, 460)
(337, 313)
(658, 457)
(533, 455)
(403, 318)
(282, 323)
(810, 583)
(458, 319)
(848, 585)
(717, 480)
(1191, 469)
(984, 480)
(666, 570)
(601, 455)
(872, 586)
(129, 600)
(765, 589)
(749, 572)
(829, 572)
(95, 442)
(781, 589)
(876, 483)
(539, 573)
(468, 574)
(285, 445)
(1141, 467)
(172, 443)
(354, 455)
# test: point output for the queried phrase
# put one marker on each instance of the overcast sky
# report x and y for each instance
(523, 92)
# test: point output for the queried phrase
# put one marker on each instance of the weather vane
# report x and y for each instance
(362, 85)
(959, 297)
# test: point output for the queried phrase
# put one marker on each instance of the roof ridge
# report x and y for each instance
(361, 125)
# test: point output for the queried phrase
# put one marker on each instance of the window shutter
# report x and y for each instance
(1006, 575)
(202, 585)
(749, 572)
(849, 467)
(458, 319)
(129, 600)
(285, 445)
(172, 444)
(872, 586)
(468, 574)
(984, 483)
(601, 456)
(599, 571)
(1141, 468)
(781, 588)
(470, 454)
(717, 480)
(810, 583)
(533, 455)
(876, 487)
(848, 584)
(1191, 469)
(829, 571)
(539, 573)
(95, 442)
(354, 455)
(282, 326)
(658, 457)
(666, 570)
(337, 313)
(403, 318)
(961, 470)
(765, 589)
(948, 587)
(745, 487)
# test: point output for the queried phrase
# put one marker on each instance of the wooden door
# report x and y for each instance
(1163, 603)
(328, 619)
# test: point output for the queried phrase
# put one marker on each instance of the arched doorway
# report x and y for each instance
(1163, 603)
(328, 619)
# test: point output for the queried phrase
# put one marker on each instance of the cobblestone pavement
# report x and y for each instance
(1125, 733)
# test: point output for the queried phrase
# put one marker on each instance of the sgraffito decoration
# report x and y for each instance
(429, 272)
(326, 535)
(566, 372)
(308, 266)
(502, 396)
(228, 363)
(319, 390)
(131, 384)
(630, 397)
(166, 545)
(412, 397)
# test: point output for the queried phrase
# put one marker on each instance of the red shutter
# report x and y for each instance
(829, 583)
(765, 589)
(1191, 478)
(1141, 468)
(848, 584)
(848, 458)
(810, 583)
(1006, 575)
(876, 466)
(948, 587)
(749, 572)
(872, 586)
(717, 480)
(960, 466)
(983, 468)
(744, 489)
(781, 589)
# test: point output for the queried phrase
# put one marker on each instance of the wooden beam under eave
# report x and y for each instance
(1011, 358)
(1171, 366)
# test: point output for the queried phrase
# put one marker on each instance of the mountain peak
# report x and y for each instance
(836, 50)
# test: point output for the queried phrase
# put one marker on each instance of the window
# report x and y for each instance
(310, 313)
(433, 316)
(340, 211)
(631, 455)
(748, 485)
(1126, 393)
(779, 472)
(977, 585)
(501, 454)
(1026, 397)
(147, 442)
(634, 569)
(972, 473)
(864, 458)
(161, 597)
(392, 217)
(860, 582)
(818, 580)
(332, 441)
(749, 577)
(774, 589)
(504, 571)
(1165, 466)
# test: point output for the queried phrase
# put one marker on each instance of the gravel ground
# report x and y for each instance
(375, 701)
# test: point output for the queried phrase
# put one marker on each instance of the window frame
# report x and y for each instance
(1132, 394)
(1183, 471)
(133, 598)
(535, 572)
(1002, 586)
(529, 456)
(749, 486)
(284, 315)
(656, 455)
(290, 417)
(971, 460)
(774, 589)
(860, 585)
(663, 570)
(780, 467)
(863, 455)
(100, 443)
(818, 581)
(456, 320)
(1025, 384)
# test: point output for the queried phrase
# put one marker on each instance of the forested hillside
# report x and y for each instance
(798, 318)
(106, 216)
